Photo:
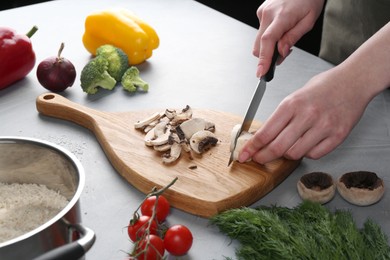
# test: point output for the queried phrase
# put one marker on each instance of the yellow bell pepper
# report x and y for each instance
(121, 28)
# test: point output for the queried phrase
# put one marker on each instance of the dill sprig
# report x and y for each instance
(308, 231)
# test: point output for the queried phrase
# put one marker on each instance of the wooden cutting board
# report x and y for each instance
(205, 191)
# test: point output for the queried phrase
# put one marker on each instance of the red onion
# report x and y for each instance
(56, 73)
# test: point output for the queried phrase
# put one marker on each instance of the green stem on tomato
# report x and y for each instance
(156, 193)
(32, 31)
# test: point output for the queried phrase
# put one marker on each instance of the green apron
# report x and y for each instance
(349, 23)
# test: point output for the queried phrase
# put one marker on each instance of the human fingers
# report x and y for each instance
(323, 148)
(312, 138)
(281, 144)
(263, 136)
(285, 23)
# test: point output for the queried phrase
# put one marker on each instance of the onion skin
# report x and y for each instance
(56, 73)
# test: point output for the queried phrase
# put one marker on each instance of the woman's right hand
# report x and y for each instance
(285, 22)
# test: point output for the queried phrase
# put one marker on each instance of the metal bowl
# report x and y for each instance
(28, 160)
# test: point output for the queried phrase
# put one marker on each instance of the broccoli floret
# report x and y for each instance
(117, 59)
(95, 74)
(131, 80)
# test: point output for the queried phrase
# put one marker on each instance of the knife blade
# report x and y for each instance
(256, 99)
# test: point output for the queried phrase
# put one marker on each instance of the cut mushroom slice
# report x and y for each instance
(148, 128)
(170, 113)
(147, 121)
(202, 141)
(162, 139)
(173, 154)
(209, 126)
(149, 137)
(184, 115)
(241, 140)
(186, 129)
(186, 146)
(162, 148)
(161, 127)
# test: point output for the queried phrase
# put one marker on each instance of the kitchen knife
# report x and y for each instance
(256, 99)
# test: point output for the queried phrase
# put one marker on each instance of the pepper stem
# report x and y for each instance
(60, 50)
(32, 31)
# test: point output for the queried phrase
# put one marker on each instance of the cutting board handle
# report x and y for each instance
(55, 105)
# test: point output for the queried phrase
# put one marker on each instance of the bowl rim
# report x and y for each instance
(72, 202)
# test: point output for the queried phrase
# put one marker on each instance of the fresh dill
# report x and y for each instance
(308, 231)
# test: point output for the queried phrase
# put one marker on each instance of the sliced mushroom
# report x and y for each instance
(173, 154)
(316, 186)
(148, 128)
(170, 113)
(361, 188)
(209, 126)
(149, 137)
(147, 121)
(171, 131)
(241, 140)
(186, 129)
(184, 115)
(173, 138)
(202, 141)
(161, 127)
(163, 147)
(186, 146)
(162, 139)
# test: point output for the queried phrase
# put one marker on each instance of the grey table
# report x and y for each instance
(204, 60)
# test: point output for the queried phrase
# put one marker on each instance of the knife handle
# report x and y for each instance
(270, 74)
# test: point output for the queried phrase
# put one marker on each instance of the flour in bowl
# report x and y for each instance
(24, 207)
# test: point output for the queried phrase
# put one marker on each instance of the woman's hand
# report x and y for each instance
(310, 122)
(315, 119)
(285, 22)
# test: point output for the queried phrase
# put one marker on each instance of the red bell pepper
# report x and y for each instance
(17, 57)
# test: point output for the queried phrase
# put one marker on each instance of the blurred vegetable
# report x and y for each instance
(95, 74)
(131, 80)
(117, 60)
(56, 73)
(121, 28)
(17, 57)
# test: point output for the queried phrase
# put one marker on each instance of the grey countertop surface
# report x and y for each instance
(205, 60)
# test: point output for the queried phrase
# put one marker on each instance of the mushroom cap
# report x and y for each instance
(316, 186)
(361, 188)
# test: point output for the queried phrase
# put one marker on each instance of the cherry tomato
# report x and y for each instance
(178, 240)
(154, 251)
(162, 209)
(137, 230)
